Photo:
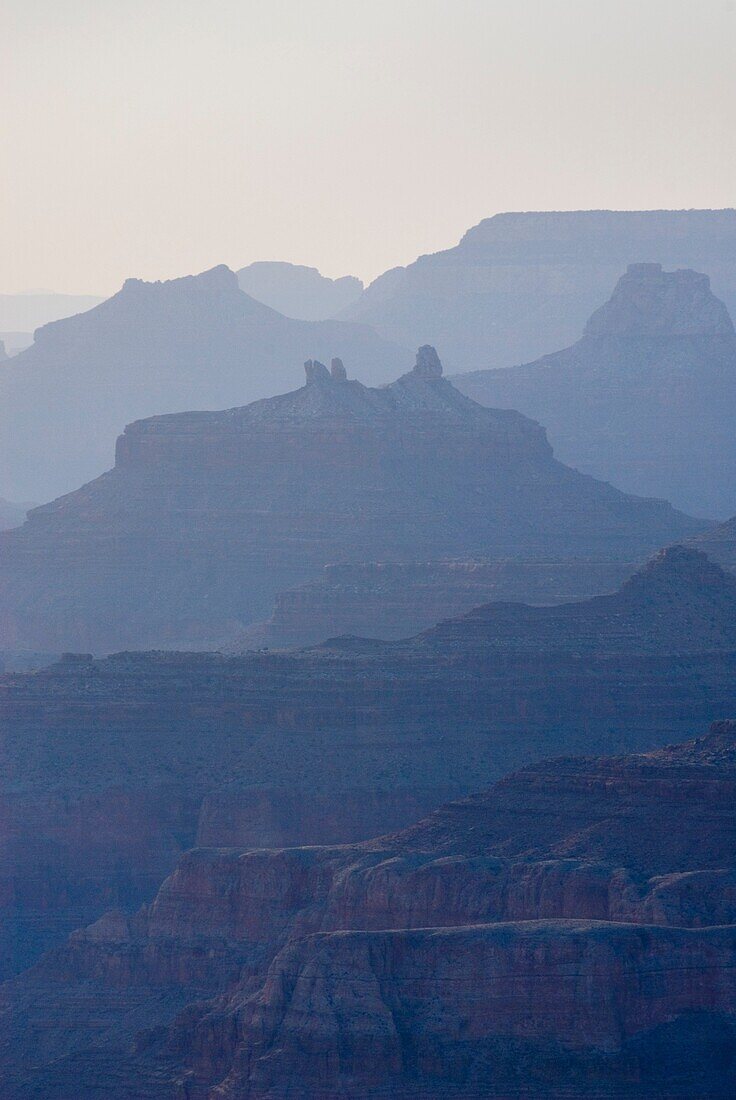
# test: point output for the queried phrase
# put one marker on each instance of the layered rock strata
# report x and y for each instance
(554, 935)
(207, 516)
(111, 768)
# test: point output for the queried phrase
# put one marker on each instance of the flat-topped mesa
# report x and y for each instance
(240, 504)
(648, 301)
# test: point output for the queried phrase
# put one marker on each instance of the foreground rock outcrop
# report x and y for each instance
(553, 936)
(645, 398)
(207, 516)
(112, 768)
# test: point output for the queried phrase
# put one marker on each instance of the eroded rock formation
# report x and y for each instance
(198, 342)
(553, 936)
(645, 398)
(397, 599)
(207, 516)
(113, 767)
(520, 284)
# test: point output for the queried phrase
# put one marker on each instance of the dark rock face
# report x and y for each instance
(194, 343)
(206, 516)
(553, 936)
(397, 599)
(644, 399)
(298, 291)
(113, 767)
(519, 284)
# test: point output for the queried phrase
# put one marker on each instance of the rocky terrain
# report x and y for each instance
(552, 936)
(396, 599)
(112, 768)
(207, 516)
(520, 284)
(194, 343)
(298, 291)
(644, 399)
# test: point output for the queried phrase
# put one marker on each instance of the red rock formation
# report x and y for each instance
(399, 967)
(113, 767)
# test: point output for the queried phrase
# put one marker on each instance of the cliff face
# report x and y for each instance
(193, 343)
(335, 743)
(206, 516)
(644, 398)
(519, 284)
(552, 936)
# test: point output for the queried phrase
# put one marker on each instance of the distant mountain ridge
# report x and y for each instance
(196, 342)
(646, 397)
(298, 291)
(207, 515)
(26, 312)
(519, 285)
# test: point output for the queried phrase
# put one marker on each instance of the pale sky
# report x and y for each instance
(157, 138)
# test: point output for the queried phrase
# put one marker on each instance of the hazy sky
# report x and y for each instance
(160, 137)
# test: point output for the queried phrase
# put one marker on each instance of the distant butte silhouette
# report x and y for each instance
(645, 398)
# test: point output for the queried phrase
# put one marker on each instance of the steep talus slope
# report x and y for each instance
(645, 399)
(206, 516)
(112, 767)
(196, 342)
(519, 284)
(551, 936)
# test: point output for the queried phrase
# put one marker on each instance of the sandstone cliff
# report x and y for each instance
(645, 398)
(554, 936)
(111, 768)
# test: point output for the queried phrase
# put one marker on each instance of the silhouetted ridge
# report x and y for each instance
(679, 601)
(207, 515)
(198, 342)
